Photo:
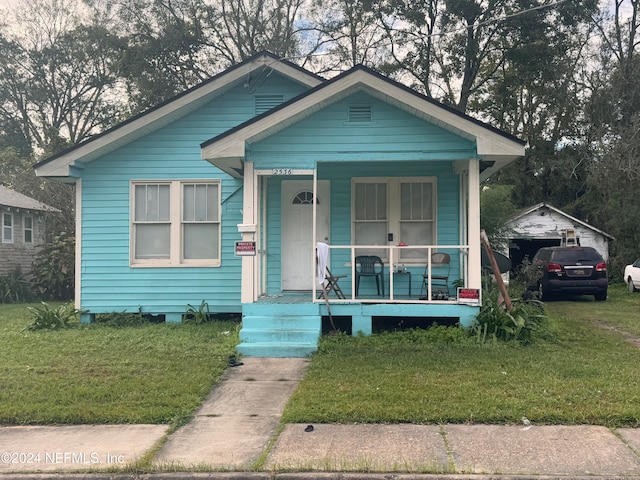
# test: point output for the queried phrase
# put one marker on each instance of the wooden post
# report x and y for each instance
(496, 270)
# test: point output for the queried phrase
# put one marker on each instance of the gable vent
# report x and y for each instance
(359, 113)
(267, 102)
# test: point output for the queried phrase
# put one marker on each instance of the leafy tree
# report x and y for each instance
(55, 83)
(612, 123)
(495, 209)
(348, 34)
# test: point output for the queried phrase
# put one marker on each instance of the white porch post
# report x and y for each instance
(249, 282)
(473, 226)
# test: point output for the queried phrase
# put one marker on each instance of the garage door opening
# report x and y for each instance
(521, 248)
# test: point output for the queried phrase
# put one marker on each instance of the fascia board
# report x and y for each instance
(165, 114)
(488, 142)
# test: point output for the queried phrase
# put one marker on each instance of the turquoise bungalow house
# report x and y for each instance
(234, 191)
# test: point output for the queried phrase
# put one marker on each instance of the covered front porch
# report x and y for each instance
(366, 167)
(285, 295)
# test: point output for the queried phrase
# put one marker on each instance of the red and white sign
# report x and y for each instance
(469, 295)
(245, 249)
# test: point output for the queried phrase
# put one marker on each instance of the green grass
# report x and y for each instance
(585, 375)
(157, 373)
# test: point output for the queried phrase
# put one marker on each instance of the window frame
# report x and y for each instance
(11, 227)
(393, 206)
(176, 230)
(26, 229)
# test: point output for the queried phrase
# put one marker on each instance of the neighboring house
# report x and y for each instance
(210, 196)
(543, 225)
(23, 230)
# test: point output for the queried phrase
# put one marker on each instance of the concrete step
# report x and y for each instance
(283, 350)
(250, 335)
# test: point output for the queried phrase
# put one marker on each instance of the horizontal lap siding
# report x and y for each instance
(396, 144)
(108, 282)
(393, 135)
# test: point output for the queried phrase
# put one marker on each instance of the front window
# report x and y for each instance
(28, 229)
(7, 228)
(176, 223)
(389, 211)
(370, 216)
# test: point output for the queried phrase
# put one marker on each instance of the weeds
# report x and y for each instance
(121, 319)
(14, 288)
(520, 324)
(46, 317)
(197, 315)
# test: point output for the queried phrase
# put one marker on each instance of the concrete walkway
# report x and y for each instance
(234, 435)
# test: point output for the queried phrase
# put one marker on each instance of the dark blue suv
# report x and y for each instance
(571, 270)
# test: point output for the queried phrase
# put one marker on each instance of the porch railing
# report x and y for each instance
(408, 274)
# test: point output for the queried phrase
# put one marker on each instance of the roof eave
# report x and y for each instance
(492, 145)
(59, 165)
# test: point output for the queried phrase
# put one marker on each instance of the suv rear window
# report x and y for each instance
(576, 255)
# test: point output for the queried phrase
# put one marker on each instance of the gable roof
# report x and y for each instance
(529, 210)
(11, 198)
(62, 164)
(495, 147)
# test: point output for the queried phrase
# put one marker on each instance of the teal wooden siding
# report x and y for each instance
(394, 144)
(108, 283)
(392, 136)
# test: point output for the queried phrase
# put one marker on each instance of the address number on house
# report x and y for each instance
(282, 171)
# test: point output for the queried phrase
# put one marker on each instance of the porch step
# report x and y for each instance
(290, 350)
(279, 336)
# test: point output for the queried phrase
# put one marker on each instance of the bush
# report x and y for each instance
(53, 268)
(14, 288)
(520, 324)
(47, 317)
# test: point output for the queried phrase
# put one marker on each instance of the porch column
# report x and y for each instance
(473, 225)
(248, 229)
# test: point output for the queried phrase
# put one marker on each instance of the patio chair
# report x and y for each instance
(440, 270)
(327, 280)
(331, 284)
(370, 266)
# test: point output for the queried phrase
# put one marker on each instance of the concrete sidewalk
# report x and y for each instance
(233, 435)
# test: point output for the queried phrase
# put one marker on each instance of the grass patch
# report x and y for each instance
(583, 374)
(151, 373)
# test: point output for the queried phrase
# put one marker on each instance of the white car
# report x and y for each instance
(632, 276)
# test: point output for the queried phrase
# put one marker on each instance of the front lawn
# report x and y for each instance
(154, 373)
(586, 375)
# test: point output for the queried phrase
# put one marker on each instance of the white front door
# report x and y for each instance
(297, 251)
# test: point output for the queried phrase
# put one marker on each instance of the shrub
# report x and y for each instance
(47, 317)
(14, 288)
(53, 268)
(495, 323)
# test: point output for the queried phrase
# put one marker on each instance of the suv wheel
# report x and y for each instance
(630, 285)
(601, 296)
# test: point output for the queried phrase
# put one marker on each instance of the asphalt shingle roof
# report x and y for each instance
(11, 198)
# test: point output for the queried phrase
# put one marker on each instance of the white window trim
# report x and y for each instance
(11, 228)
(175, 221)
(25, 229)
(393, 207)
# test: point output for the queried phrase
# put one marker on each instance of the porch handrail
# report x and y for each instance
(392, 265)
